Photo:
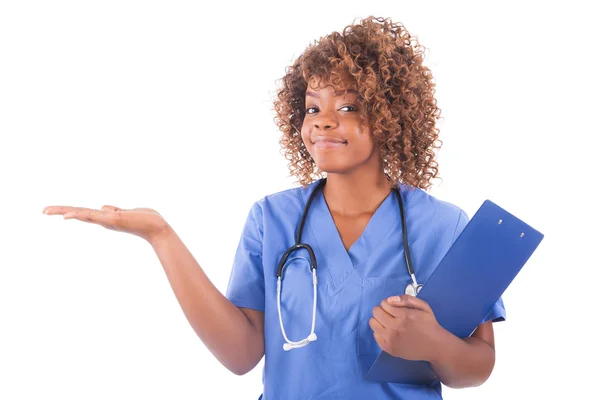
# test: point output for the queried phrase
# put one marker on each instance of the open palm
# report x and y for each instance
(143, 222)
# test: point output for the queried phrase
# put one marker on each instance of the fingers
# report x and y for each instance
(380, 339)
(54, 210)
(88, 215)
(408, 301)
(392, 308)
(376, 325)
(106, 217)
(382, 316)
(397, 312)
(404, 309)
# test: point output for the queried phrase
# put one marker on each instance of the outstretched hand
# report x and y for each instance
(143, 222)
(405, 326)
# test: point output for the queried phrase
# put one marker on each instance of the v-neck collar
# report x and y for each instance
(339, 262)
(385, 220)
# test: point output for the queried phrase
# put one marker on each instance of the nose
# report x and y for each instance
(325, 120)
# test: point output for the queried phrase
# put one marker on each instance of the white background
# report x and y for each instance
(169, 105)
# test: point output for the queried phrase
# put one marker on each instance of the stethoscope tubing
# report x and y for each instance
(412, 288)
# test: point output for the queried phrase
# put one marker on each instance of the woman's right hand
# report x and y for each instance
(143, 222)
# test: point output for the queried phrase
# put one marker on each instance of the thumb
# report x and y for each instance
(110, 208)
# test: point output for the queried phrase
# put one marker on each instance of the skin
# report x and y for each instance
(403, 326)
(235, 336)
(356, 185)
(345, 149)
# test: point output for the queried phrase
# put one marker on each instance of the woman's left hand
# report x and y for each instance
(405, 326)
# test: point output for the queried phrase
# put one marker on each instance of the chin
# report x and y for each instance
(333, 167)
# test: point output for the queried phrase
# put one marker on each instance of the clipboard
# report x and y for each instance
(475, 272)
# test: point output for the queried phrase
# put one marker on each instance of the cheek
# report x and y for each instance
(304, 136)
(306, 140)
(364, 141)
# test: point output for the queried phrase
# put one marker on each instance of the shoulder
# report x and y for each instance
(432, 210)
(294, 195)
(281, 204)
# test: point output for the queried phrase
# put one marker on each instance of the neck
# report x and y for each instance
(355, 194)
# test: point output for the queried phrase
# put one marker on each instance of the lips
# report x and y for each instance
(327, 142)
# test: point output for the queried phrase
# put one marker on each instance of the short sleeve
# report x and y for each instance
(246, 287)
(497, 313)
(463, 220)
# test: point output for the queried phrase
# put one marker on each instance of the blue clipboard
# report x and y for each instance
(472, 276)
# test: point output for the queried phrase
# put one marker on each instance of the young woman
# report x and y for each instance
(357, 114)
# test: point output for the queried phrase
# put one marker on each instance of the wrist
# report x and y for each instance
(441, 344)
(164, 234)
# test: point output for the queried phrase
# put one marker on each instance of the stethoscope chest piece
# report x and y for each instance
(412, 289)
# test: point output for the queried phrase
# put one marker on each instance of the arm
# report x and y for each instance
(405, 326)
(234, 335)
(467, 362)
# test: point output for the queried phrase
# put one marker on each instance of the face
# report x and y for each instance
(332, 132)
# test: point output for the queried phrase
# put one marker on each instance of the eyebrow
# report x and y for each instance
(335, 94)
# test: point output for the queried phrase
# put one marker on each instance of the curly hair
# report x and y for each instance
(396, 95)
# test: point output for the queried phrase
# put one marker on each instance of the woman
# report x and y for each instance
(357, 110)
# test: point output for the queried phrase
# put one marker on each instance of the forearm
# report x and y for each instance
(222, 327)
(461, 363)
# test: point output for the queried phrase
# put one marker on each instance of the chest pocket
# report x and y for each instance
(373, 291)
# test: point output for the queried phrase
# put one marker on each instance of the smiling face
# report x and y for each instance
(332, 131)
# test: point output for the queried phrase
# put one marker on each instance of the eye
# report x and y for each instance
(353, 108)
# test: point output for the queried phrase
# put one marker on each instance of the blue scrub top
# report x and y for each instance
(350, 284)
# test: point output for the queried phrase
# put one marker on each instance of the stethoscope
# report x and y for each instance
(412, 288)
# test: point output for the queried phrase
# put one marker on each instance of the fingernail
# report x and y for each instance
(394, 299)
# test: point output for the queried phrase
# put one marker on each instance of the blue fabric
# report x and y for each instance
(350, 284)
